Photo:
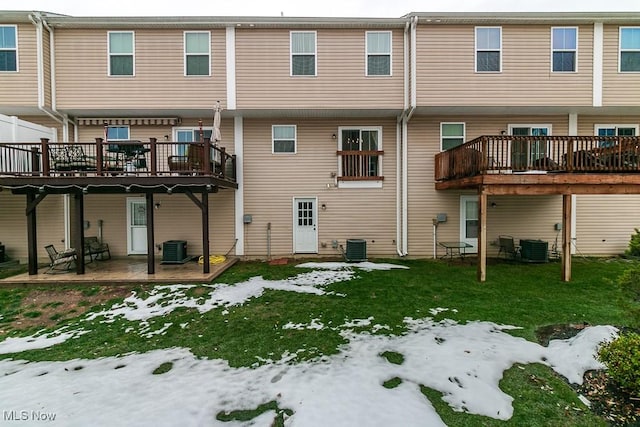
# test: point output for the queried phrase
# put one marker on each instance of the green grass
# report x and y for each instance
(524, 295)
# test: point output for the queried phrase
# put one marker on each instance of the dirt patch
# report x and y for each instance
(47, 307)
(605, 397)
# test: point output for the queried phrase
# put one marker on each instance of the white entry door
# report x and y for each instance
(469, 223)
(136, 226)
(305, 225)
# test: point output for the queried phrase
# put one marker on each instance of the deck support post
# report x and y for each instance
(151, 244)
(205, 232)
(482, 236)
(32, 235)
(78, 230)
(567, 208)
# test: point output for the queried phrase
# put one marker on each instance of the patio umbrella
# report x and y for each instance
(217, 136)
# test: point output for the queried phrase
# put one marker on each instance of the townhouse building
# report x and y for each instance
(335, 129)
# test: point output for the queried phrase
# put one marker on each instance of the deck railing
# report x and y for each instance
(116, 158)
(360, 165)
(505, 154)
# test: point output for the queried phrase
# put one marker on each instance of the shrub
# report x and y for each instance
(622, 359)
(634, 244)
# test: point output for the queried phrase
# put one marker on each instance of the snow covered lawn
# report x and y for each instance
(464, 362)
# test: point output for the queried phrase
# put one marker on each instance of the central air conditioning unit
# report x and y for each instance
(356, 250)
(534, 251)
(174, 251)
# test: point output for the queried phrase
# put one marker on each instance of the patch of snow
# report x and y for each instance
(365, 265)
(38, 341)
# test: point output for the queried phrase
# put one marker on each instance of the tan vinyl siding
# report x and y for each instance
(272, 181)
(587, 124)
(605, 223)
(50, 222)
(446, 69)
(21, 88)
(177, 218)
(159, 72)
(617, 88)
(523, 217)
(264, 80)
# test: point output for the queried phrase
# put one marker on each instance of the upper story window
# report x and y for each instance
(378, 53)
(197, 51)
(488, 49)
(121, 53)
(451, 135)
(283, 138)
(630, 49)
(118, 133)
(8, 48)
(360, 157)
(564, 45)
(303, 53)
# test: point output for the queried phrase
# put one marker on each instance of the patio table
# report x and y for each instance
(455, 248)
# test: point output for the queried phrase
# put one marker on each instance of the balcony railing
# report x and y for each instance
(116, 158)
(360, 165)
(506, 154)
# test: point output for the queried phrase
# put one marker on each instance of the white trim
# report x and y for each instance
(231, 67)
(573, 123)
(294, 224)
(130, 201)
(575, 50)
(295, 140)
(463, 219)
(475, 32)
(574, 223)
(366, 54)
(626, 50)
(185, 54)
(15, 27)
(414, 63)
(598, 63)
(315, 53)
(359, 184)
(510, 127)
(133, 54)
(238, 138)
(464, 131)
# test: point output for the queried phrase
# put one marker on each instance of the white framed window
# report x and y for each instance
(118, 133)
(197, 53)
(629, 50)
(615, 130)
(188, 135)
(8, 48)
(488, 49)
(360, 157)
(283, 139)
(564, 49)
(121, 47)
(303, 53)
(452, 134)
(378, 53)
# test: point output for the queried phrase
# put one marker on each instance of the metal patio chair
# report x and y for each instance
(508, 248)
(60, 261)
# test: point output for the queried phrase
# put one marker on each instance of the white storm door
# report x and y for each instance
(305, 228)
(136, 226)
(469, 223)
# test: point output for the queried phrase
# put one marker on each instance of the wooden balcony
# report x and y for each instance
(116, 166)
(360, 165)
(553, 162)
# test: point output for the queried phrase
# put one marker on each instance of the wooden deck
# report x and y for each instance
(124, 271)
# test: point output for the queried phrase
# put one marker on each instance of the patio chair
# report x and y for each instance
(96, 250)
(508, 248)
(60, 261)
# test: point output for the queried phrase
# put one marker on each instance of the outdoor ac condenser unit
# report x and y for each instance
(356, 250)
(534, 250)
(174, 251)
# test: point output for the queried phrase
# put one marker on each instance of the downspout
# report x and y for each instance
(400, 214)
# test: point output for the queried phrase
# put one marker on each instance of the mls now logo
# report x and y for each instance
(28, 416)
